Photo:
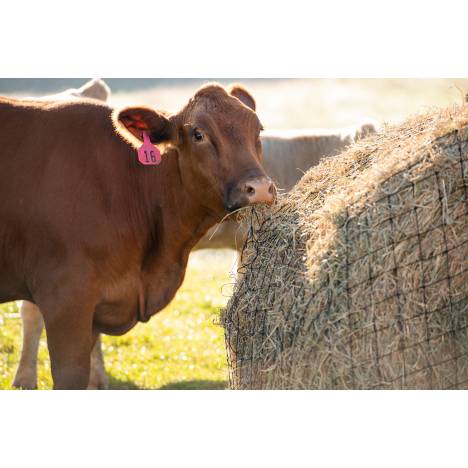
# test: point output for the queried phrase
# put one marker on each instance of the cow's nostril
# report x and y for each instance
(259, 190)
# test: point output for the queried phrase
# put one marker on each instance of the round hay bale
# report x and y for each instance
(358, 277)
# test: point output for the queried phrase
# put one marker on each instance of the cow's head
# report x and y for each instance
(217, 139)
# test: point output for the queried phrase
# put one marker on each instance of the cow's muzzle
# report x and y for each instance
(252, 191)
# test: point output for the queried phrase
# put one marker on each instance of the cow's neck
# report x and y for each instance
(180, 222)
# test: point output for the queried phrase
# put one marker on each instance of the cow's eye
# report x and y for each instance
(198, 136)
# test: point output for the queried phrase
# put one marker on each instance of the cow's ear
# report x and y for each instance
(238, 91)
(133, 121)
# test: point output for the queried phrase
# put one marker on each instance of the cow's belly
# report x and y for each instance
(11, 288)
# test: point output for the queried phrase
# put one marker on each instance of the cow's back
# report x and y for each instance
(93, 89)
(49, 150)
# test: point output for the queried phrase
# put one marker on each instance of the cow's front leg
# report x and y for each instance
(70, 340)
(98, 378)
(33, 324)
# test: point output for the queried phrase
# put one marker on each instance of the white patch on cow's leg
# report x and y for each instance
(238, 264)
(33, 324)
(97, 377)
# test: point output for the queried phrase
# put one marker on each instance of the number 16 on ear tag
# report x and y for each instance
(148, 154)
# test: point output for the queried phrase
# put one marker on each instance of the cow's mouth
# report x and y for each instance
(235, 207)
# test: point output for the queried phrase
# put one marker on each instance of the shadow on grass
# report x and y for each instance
(196, 385)
(118, 384)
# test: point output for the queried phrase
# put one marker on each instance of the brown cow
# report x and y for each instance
(287, 154)
(98, 241)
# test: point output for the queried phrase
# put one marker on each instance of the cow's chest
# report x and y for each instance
(117, 311)
(136, 297)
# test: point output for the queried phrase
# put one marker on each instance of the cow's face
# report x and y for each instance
(217, 137)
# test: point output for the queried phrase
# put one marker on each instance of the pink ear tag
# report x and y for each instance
(148, 154)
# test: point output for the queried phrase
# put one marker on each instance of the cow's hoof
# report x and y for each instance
(25, 380)
(98, 381)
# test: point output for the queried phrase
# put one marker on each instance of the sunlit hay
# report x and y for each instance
(358, 277)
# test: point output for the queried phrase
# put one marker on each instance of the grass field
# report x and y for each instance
(182, 347)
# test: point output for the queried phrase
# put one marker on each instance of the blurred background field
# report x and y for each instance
(281, 103)
(183, 347)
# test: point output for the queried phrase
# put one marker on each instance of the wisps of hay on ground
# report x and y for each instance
(358, 278)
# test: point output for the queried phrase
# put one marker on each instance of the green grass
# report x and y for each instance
(182, 347)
